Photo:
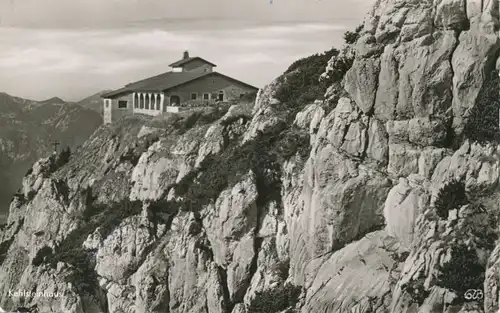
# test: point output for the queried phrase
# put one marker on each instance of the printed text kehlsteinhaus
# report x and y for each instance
(30, 294)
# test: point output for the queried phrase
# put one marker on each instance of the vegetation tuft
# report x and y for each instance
(351, 37)
(483, 123)
(42, 256)
(4, 248)
(248, 97)
(283, 269)
(275, 300)
(300, 84)
(64, 157)
(244, 118)
(415, 288)
(451, 196)
(133, 154)
(462, 272)
(184, 124)
(60, 160)
(218, 172)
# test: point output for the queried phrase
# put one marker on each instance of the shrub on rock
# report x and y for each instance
(451, 196)
(462, 272)
(275, 300)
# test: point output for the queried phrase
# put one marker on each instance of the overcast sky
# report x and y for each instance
(75, 48)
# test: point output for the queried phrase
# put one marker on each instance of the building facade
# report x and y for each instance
(192, 82)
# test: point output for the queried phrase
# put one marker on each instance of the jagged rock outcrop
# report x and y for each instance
(358, 218)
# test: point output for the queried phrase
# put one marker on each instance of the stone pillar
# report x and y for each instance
(162, 101)
(108, 111)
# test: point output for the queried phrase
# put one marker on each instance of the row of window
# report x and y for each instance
(142, 101)
(147, 102)
(206, 96)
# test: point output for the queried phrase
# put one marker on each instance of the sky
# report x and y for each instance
(73, 49)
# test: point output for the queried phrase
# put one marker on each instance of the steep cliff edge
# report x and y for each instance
(382, 197)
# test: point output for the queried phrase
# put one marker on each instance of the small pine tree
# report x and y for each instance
(451, 196)
(350, 37)
(64, 156)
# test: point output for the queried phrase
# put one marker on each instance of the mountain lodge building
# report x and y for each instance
(192, 82)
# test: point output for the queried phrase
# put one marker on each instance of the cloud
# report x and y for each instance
(117, 13)
(303, 29)
(41, 63)
(151, 39)
(252, 58)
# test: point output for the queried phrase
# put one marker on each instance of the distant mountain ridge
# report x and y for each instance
(93, 102)
(54, 100)
(27, 130)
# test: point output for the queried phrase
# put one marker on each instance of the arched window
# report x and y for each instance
(141, 100)
(158, 102)
(148, 100)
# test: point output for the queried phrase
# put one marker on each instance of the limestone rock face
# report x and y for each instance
(146, 219)
(265, 115)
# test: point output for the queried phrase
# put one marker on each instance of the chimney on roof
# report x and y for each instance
(186, 54)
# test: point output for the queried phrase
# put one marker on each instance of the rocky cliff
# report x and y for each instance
(383, 197)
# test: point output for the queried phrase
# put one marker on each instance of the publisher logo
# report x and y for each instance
(474, 294)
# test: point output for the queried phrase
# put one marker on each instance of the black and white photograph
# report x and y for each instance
(249, 156)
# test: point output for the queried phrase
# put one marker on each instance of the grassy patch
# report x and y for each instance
(4, 248)
(283, 269)
(185, 123)
(482, 126)
(248, 97)
(234, 119)
(133, 154)
(293, 141)
(400, 257)
(275, 300)
(263, 155)
(416, 290)
(301, 84)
